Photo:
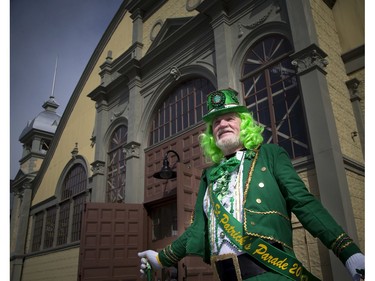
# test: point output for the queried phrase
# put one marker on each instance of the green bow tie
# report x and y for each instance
(228, 166)
(224, 168)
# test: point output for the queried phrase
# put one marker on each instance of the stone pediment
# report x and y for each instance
(162, 31)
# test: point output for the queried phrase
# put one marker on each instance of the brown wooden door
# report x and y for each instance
(112, 235)
(188, 179)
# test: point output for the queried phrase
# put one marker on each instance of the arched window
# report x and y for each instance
(272, 94)
(73, 196)
(183, 107)
(66, 218)
(116, 168)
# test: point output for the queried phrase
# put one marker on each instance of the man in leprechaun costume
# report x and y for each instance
(242, 218)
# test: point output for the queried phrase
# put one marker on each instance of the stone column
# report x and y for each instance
(329, 165)
(330, 171)
(134, 188)
(22, 227)
(101, 124)
(134, 185)
(223, 51)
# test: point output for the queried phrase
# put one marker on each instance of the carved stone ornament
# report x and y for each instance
(75, 151)
(310, 59)
(131, 150)
(120, 109)
(97, 167)
(175, 73)
(19, 191)
(259, 21)
(353, 85)
(155, 29)
(93, 140)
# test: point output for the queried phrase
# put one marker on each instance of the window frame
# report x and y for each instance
(267, 80)
(183, 107)
(52, 216)
(116, 171)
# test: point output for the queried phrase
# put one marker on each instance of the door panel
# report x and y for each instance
(112, 235)
(183, 189)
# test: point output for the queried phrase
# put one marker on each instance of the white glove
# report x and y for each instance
(356, 266)
(150, 257)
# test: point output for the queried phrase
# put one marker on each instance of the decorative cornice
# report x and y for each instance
(20, 190)
(309, 59)
(98, 93)
(354, 166)
(353, 54)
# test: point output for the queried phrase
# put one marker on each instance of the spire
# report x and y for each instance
(47, 120)
(51, 104)
(54, 79)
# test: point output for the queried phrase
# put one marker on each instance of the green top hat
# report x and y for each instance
(221, 102)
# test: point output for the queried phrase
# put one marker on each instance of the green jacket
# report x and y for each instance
(274, 191)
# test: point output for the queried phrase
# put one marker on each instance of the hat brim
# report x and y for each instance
(215, 113)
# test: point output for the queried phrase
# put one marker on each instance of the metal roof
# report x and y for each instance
(46, 121)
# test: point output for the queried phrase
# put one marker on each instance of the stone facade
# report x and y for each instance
(167, 43)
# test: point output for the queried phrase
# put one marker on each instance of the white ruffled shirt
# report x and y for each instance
(220, 243)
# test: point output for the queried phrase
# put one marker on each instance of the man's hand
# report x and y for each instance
(356, 266)
(149, 257)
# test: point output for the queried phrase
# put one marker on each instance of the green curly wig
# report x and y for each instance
(250, 136)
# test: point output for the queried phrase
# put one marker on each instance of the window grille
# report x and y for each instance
(116, 166)
(38, 229)
(75, 182)
(49, 231)
(182, 108)
(73, 197)
(62, 232)
(79, 203)
(272, 94)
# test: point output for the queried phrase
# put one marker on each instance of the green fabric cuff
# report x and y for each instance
(174, 252)
(164, 260)
(348, 251)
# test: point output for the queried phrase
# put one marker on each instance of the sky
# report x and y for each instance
(42, 32)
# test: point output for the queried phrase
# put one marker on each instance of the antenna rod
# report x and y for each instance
(54, 79)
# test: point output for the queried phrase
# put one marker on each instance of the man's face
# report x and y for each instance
(226, 131)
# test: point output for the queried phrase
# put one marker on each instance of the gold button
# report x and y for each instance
(261, 185)
(263, 169)
(222, 235)
(252, 223)
(259, 201)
